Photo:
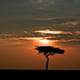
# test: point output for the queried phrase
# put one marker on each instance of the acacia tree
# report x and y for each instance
(47, 51)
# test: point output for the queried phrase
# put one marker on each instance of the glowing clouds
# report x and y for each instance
(49, 32)
(32, 38)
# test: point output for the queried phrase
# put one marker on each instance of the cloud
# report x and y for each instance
(47, 31)
(42, 34)
(42, 4)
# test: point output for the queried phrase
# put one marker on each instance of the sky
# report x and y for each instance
(25, 24)
(20, 15)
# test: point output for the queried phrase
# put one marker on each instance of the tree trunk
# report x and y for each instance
(47, 62)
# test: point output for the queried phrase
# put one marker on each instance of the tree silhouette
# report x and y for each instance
(47, 51)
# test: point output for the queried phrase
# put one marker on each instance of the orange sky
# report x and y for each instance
(22, 55)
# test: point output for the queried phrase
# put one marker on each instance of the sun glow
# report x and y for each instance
(50, 32)
(43, 42)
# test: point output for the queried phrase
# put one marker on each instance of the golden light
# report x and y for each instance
(32, 38)
(50, 32)
(43, 42)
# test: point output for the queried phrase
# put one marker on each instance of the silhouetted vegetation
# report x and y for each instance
(48, 50)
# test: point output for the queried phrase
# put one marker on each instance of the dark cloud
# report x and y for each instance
(18, 15)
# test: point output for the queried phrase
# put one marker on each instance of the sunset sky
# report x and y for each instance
(25, 24)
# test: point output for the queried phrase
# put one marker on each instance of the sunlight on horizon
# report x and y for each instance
(45, 42)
